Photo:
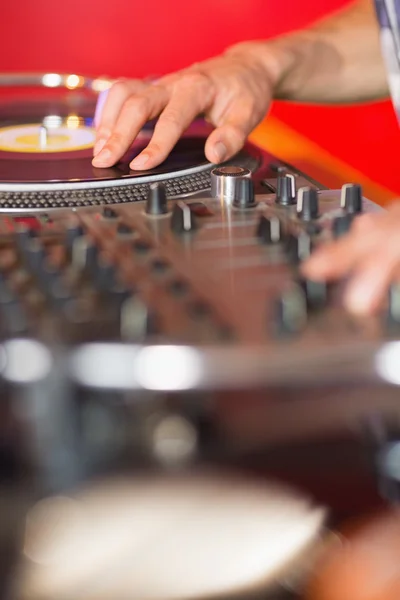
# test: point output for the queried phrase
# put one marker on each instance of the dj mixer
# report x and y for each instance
(160, 319)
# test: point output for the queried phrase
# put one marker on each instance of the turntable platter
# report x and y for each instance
(46, 149)
(48, 135)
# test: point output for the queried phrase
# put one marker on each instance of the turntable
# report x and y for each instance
(46, 141)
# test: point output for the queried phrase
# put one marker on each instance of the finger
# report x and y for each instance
(137, 110)
(101, 100)
(369, 286)
(190, 96)
(115, 99)
(232, 130)
(338, 258)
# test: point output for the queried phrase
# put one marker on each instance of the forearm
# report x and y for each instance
(337, 60)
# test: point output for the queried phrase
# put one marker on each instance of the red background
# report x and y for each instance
(136, 38)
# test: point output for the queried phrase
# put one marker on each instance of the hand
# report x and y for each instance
(363, 563)
(233, 91)
(370, 252)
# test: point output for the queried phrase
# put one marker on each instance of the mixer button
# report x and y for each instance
(225, 182)
(286, 190)
(351, 198)
(341, 225)
(156, 202)
(269, 230)
(307, 204)
(244, 197)
(290, 312)
(182, 219)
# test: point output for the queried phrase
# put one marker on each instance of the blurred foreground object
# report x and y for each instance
(177, 537)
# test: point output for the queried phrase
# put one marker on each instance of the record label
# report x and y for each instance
(39, 139)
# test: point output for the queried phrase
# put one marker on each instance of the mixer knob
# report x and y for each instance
(341, 225)
(290, 312)
(307, 204)
(34, 254)
(316, 293)
(351, 198)
(225, 182)
(104, 274)
(269, 230)
(393, 309)
(73, 232)
(156, 203)
(244, 197)
(182, 219)
(286, 190)
(298, 248)
(136, 321)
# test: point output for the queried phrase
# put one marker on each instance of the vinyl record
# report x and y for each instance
(47, 134)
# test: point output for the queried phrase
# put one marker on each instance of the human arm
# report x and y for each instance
(325, 63)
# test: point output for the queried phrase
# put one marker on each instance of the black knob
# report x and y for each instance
(286, 190)
(156, 203)
(393, 307)
(387, 462)
(24, 234)
(244, 197)
(307, 204)
(73, 232)
(290, 312)
(58, 292)
(33, 253)
(351, 199)
(298, 248)
(269, 230)
(381, 440)
(104, 275)
(46, 275)
(12, 317)
(91, 257)
(341, 225)
(316, 293)
(182, 219)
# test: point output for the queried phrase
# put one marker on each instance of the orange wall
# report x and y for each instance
(137, 38)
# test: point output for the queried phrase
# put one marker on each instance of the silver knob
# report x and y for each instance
(226, 182)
